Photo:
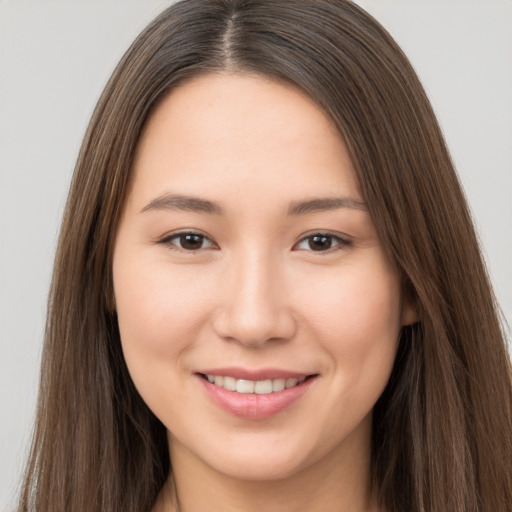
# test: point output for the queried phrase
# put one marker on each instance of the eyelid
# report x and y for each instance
(167, 240)
(343, 241)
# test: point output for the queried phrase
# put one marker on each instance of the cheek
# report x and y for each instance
(358, 301)
(161, 311)
(355, 315)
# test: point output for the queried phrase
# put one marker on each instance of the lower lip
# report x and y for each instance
(252, 406)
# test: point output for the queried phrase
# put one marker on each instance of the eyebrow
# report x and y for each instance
(325, 203)
(183, 203)
(198, 205)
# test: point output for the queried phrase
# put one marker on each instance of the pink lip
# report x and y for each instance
(252, 406)
(246, 374)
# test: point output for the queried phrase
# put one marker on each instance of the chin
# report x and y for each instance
(265, 459)
(261, 468)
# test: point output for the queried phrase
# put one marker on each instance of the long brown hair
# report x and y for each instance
(442, 433)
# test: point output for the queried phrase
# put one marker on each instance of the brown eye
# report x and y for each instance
(189, 241)
(322, 242)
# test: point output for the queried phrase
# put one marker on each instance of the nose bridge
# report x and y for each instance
(254, 308)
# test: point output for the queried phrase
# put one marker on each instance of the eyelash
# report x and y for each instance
(340, 243)
(168, 240)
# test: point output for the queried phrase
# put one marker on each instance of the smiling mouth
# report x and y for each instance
(258, 387)
(257, 394)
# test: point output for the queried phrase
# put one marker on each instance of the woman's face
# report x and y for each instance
(245, 253)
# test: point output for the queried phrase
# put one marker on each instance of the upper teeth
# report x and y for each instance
(260, 387)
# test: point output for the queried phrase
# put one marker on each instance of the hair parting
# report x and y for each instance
(442, 428)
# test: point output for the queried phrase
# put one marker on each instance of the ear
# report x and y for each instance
(409, 314)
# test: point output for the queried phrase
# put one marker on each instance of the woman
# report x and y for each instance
(268, 293)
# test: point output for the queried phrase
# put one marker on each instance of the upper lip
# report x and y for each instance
(254, 374)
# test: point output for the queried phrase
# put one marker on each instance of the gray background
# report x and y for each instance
(55, 57)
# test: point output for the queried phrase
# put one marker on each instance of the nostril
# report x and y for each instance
(254, 327)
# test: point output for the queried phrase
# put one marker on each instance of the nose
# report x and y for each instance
(254, 307)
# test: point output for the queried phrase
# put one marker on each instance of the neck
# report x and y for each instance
(339, 482)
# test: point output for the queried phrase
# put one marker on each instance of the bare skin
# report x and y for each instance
(245, 248)
(315, 489)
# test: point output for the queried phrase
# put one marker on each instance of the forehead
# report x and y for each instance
(239, 130)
